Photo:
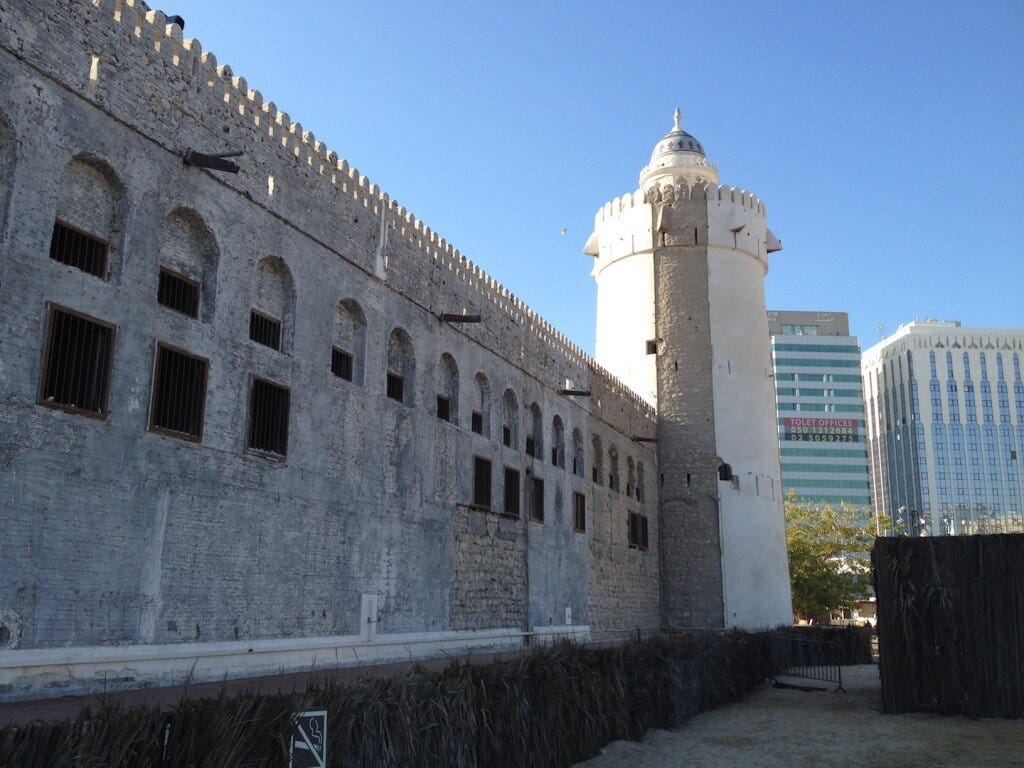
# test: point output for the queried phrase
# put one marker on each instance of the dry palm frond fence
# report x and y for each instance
(951, 624)
(549, 708)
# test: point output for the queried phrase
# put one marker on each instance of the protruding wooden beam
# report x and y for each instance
(215, 162)
(575, 392)
(642, 439)
(450, 317)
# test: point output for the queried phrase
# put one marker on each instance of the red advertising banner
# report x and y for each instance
(820, 430)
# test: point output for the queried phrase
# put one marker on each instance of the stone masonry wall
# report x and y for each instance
(113, 533)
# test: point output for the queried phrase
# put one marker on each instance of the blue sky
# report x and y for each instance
(885, 138)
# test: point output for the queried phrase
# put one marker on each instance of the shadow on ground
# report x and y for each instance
(786, 728)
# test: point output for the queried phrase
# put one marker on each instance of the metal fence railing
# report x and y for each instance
(798, 657)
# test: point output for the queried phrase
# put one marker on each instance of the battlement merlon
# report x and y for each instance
(637, 222)
(201, 99)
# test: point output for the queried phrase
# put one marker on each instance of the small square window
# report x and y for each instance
(265, 330)
(477, 422)
(178, 293)
(482, 482)
(76, 368)
(506, 436)
(77, 248)
(652, 346)
(536, 499)
(341, 364)
(269, 405)
(396, 387)
(579, 512)
(444, 408)
(531, 447)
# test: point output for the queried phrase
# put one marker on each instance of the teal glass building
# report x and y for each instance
(820, 407)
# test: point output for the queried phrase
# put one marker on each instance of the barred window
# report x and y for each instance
(178, 293)
(531, 447)
(268, 417)
(579, 512)
(341, 364)
(76, 363)
(77, 248)
(511, 491)
(477, 422)
(444, 408)
(506, 436)
(396, 387)
(537, 499)
(179, 393)
(265, 330)
(481, 482)
(637, 531)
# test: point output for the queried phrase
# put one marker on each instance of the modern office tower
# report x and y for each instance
(820, 408)
(945, 408)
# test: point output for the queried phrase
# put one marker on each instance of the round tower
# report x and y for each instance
(680, 266)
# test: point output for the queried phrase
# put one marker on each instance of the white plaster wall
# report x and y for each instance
(754, 564)
(624, 272)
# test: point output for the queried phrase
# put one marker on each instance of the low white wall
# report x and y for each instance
(45, 672)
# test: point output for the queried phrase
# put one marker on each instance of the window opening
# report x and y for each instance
(341, 364)
(579, 512)
(179, 393)
(443, 408)
(79, 354)
(178, 293)
(511, 506)
(537, 499)
(268, 417)
(396, 387)
(265, 330)
(482, 482)
(76, 248)
(477, 422)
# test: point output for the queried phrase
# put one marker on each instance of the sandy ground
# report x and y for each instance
(781, 728)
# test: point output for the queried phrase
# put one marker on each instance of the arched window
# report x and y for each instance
(90, 218)
(558, 437)
(481, 417)
(597, 461)
(630, 476)
(535, 433)
(641, 484)
(448, 389)
(510, 420)
(577, 452)
(187, 279)
(272, 317)
(348, 351)
(613, 468)
(7, 159)
(401, 367)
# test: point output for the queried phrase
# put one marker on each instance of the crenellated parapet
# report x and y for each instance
(193, 97)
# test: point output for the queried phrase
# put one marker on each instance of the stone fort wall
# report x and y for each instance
(115, 534)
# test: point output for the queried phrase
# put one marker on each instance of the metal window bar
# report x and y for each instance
(511, 491)
(79, 249)
(537, 499)
(268, 418)
(477, 422)
(444, 408)
(179, 393)
(506, 436)
(341, 364)
(798, 657)
(178, 293)
(265, 330)
(482, 482)
(77, 371)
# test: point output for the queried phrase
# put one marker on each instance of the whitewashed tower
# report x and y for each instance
(680, 266)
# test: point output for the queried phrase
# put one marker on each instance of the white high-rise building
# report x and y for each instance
(680, 266)
(945, 416)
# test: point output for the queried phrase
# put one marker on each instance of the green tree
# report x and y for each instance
(829, 550)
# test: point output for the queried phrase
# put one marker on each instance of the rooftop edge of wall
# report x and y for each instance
(670, 193)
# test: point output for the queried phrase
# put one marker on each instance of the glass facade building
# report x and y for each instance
(820, 407)
(945, 411)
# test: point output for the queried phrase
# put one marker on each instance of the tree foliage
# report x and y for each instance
(829, 550)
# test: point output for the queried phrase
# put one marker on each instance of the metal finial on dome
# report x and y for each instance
(679, 120)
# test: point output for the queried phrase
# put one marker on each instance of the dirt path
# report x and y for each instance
(779, 728)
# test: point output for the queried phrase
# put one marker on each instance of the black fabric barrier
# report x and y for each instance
(951, 624)
(551, 707)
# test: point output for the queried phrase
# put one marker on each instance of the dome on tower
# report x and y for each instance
(678, 156)
(676, 140)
